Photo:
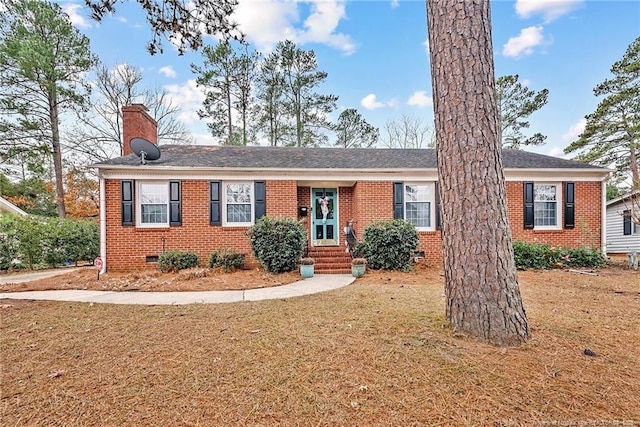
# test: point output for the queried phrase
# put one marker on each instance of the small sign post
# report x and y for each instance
(98, 264)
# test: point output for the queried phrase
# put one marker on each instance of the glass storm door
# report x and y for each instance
(324, 226)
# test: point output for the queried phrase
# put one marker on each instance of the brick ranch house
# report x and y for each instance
(202, 198)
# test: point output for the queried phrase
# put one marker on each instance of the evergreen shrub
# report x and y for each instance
(389, 245)
(176, 260)
(278, 243)
(226, 258)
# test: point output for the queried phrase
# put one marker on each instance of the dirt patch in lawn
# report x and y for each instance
(197, 279)
(376, 353)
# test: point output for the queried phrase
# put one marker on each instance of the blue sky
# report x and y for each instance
(376, 55)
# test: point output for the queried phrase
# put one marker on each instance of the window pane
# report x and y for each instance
(545, 206)
(418, 205)
(545, 213)
(417, 193)
(238, 202)
(543, 193)
(419, 213)
(154, 199)
(238, 193)
(238, 213)
(154, 214)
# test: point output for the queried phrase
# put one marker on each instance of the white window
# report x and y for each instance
(547, 200)
(153, 204)
(238, 203)
(419, 203)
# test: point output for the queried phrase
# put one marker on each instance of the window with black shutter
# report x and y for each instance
(175, 204)
(260, 194)
(626, 223)
(528, 205)
(569, 205)
(215, 217)
(127, 203)
(398, 200)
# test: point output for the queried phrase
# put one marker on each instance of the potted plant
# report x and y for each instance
(306, 267)
(358, 267)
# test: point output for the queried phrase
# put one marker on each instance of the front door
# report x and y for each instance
(324, 226)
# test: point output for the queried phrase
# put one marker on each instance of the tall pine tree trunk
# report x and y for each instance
(57, 154)
(483, 297)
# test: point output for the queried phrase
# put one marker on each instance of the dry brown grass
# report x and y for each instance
(375, 353)
(195, 279)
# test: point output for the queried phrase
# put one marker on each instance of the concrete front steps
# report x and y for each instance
(330, 260)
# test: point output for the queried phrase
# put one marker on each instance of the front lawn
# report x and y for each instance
(377, 352)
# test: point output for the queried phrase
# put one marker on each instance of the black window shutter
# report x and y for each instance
(528, 205)
(626, 223)
(398, 200)
(438, 218)
(127, 203)
(260, 194)
(175, 203)
(214, 203)
(569, 205)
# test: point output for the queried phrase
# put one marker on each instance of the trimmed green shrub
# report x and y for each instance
(543, 257)
(277, 243)
(226, 258)
(36, 241)
(176, 260)
(389, 245)
(9, 241)
(30, 232)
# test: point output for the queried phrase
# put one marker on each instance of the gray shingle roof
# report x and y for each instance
(200, 156)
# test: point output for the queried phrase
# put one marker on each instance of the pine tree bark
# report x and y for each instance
(57, 154)
(482, 292)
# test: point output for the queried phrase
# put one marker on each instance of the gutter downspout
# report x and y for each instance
(103, 223)
(603, 216)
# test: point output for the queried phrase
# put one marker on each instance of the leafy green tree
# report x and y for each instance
(353, 131)
(33, 195)
(269, 109)
(516, 103)
(43, 60)
(612, 132)
(227, 77)
(307, 109)
(184, 23)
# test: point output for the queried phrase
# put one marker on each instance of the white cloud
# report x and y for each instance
(188, 98)
(420, 99)
(556, 152)
(168, 71)
(266, 22)
(121, 19)
(549, 9)
(395, 3)
(370, 102)
(76, 19)
(574, 131)
(205, 139)
(524, 43)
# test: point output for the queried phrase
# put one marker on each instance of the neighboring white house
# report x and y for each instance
(623, 234)
(8, 207)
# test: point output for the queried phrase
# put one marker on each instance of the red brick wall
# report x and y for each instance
(588, 218)
(366, 202)
(127, 247)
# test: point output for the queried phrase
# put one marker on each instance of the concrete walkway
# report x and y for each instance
(29, 277)
(318, 283)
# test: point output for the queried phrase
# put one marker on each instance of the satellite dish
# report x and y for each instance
(144, 149)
